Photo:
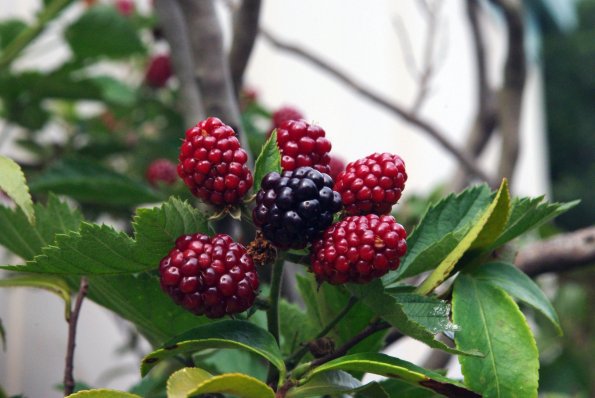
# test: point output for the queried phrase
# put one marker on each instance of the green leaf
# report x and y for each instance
(291, 337)
(327, 383)
(376, 390)
(225, 334)
(232, 361)
(496, 221)
(516, 283)
(114, 91)
(387, 307)
(492, 321)
(388, 366)
(13, 183)
(50, 283)
(89, 182)
(157, 228)
(399, 388)
(237, 384)
(430, 312)
(102, 31)
(139, 299)
(325, 302)
(183, 381)
(269, 160)
(9, 29)
(529, 213)
(447, 265)
(26, 240)
(102, 393)
(442, 227)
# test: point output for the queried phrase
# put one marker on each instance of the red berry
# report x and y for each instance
(285, 114)
(125, 7)
(213, 165)
(372, 184)
(161, 171)
(303, 144)
(159, 71)
(211, 276)
(358, 249)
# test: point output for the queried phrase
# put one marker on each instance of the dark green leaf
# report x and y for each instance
(225, 334)
(443, 226)
(269, 160)
(387, 307)
(518, 285)
(491, 321)
(9, 29)
(430, 312)
(50, 283)
(102, 31)
(56, 217)
(398, 388)
(375, 390)
(388, 366)
(157, 228)
(114, 91)
(90, 182)
(529, 213)
(231, 361)
(291, 337)
(13, 183)
(327, 383)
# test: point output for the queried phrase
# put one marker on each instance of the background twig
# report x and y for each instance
(245, 30)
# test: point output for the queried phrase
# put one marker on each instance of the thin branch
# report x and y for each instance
(378, 99)
(245, 30)
(561, 253)
(212, 65)
(171, 19)
(511, 93)
(406, 47)
(72, 323)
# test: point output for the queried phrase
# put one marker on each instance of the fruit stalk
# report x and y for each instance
(273, 311)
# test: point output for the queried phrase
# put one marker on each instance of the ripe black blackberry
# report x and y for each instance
(294, 208)
(211, 276)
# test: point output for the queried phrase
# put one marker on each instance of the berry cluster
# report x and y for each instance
(302, 144)
(161, 171)
(372, 184)
(213, 165)
(210, 276)
(358, 249)
(292, 209)
(284, 114)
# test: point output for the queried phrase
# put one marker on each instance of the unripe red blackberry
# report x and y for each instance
(372, 184)
(159, 71)
(302, 144)
(213, 165)
(358, 249)
(294, 208)
(337, 165)
(125, 7)
(211, 276)
(161, 171)
(285, 114)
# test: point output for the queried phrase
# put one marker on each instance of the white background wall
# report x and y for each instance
(360, 38)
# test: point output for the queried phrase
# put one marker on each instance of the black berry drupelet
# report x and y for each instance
(294, 208)
(372, 184)
(213, 165)
(358, 249)
(211, 276)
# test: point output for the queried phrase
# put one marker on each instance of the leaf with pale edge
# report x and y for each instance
(237, 384)
(183, 381)
(516, 283)
(442, 227)
(225, 334)
(447, 265)
(50, 283)
(269, 160)
(491, 321)
(102, 393)
(13, 183)
(430, 312)
(327, 383)
(387, 307)
(385, 365)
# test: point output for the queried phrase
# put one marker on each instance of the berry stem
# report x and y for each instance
(295, 357)
(72, 323)
(273, 311)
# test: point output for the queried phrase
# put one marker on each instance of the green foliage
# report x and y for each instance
(13, 183)
(102, 393)
(183, 381)
(269, 160)
(491, 321)
(9, 29)
(49, 283)
(238, 384)
(225, 334)
(103, 32)
(326, 383)
(399, 388)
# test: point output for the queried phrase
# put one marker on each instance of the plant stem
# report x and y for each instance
(295, 357)
(72, 323)
(24, 38)
(273, 311)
